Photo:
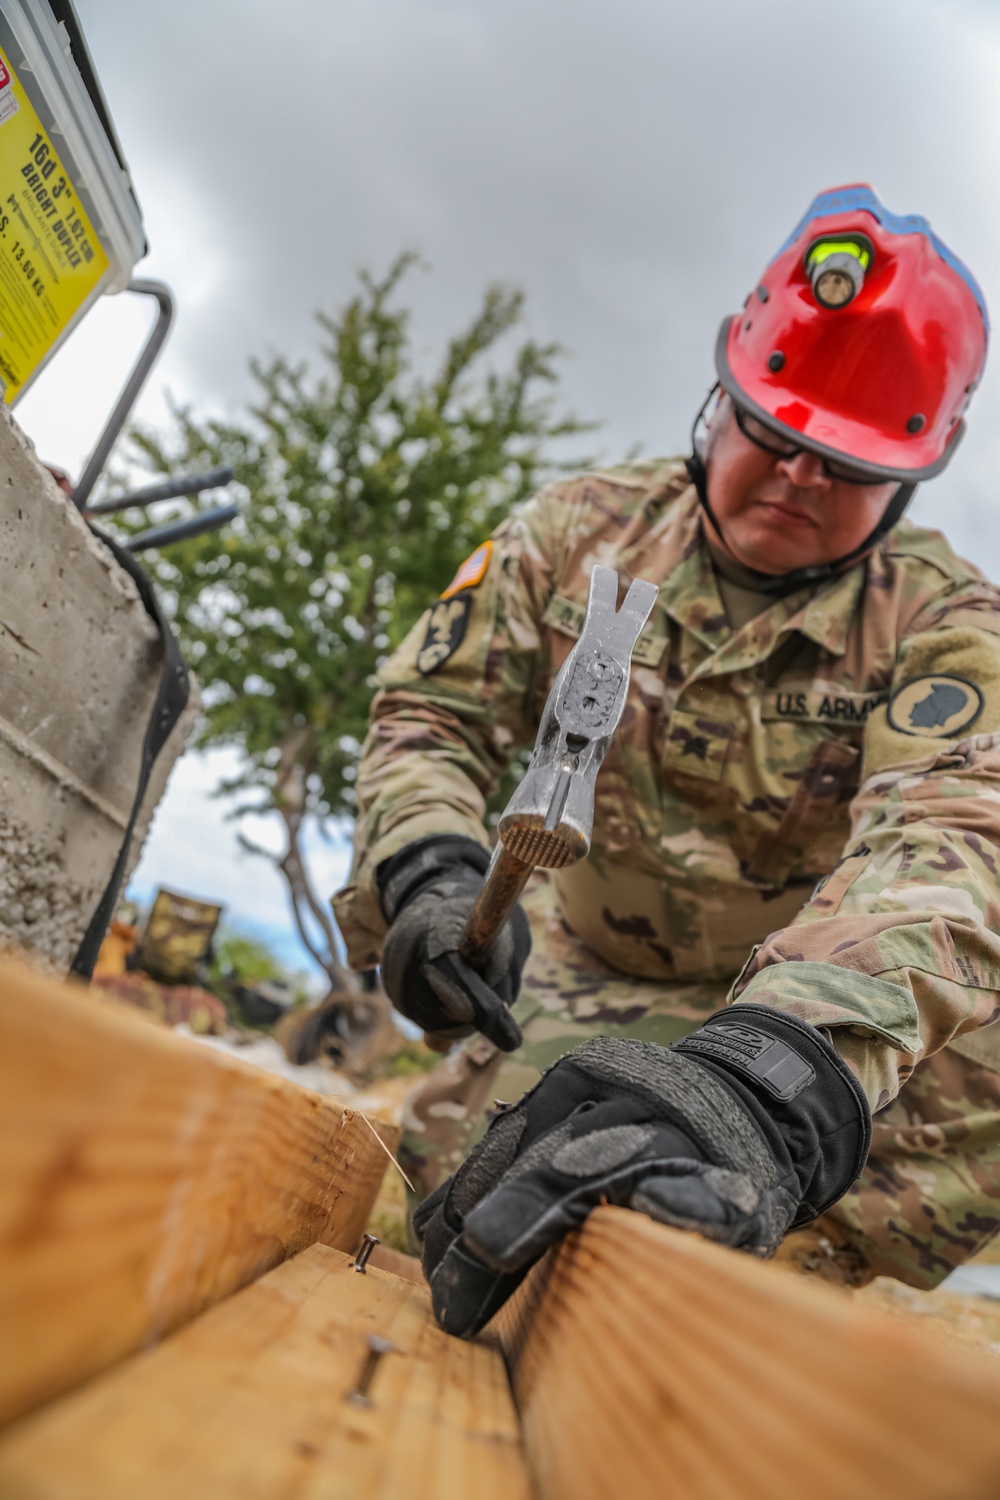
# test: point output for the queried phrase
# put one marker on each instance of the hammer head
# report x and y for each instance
(550, 817)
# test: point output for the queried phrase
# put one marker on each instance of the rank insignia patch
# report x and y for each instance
(445, 633)
(472, 571)
(936, 707)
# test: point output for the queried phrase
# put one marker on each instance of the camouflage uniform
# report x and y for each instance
(846, 735)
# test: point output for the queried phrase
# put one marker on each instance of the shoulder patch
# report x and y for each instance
(471, 572)
(446, 629)
(935, 707)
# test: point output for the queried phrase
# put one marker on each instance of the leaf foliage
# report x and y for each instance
(363, 484)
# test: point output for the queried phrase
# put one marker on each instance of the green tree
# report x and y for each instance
(364, 484)
(248, 957)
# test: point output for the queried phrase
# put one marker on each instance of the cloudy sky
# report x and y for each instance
(632, 165)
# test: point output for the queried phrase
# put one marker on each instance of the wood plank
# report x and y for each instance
(648, 1363)
(143, 1176)
(407, 1266)
(249, 1403)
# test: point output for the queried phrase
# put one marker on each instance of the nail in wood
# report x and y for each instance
(367, 1246)
(377, 1346)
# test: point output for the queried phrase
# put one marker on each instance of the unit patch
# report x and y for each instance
(935, 707)
(445, 633)
(472, 571)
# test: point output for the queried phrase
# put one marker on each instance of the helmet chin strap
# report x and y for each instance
(788, 583)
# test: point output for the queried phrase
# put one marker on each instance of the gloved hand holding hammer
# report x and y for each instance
(456, 945)
(428, 891)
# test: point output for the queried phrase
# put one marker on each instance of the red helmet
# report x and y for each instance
(864, 340)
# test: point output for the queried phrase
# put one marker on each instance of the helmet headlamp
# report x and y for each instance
(836, 269)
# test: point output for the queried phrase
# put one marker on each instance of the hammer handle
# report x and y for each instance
(505, 881)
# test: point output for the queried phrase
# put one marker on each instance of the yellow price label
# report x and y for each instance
(50, 256)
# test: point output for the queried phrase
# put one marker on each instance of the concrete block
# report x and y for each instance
(80, 662)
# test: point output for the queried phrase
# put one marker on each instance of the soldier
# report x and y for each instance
(799, 819)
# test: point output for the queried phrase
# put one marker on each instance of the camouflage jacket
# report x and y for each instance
(847, 736)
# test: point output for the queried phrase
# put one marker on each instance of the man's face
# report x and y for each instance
(779, 514)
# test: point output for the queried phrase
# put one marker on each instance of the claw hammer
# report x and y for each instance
(549, 819)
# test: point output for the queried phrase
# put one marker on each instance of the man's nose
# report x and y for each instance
(804, 470)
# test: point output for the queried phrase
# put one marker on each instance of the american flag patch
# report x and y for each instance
(472, 571)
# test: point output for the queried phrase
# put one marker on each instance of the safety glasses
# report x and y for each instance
(765, 437)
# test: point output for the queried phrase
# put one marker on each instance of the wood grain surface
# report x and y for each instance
(143, 1176)
(250, 1402)
(407, 1266)
(647, 1363)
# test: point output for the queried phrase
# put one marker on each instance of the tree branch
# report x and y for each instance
(304, 898)
(300, 892)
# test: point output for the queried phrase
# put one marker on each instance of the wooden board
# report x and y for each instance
(649, 1364)
(249, 1403)
(407, 1266)
(142, 1177)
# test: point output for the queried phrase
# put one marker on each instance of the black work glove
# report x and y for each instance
(746, 1128)
(428, 890)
